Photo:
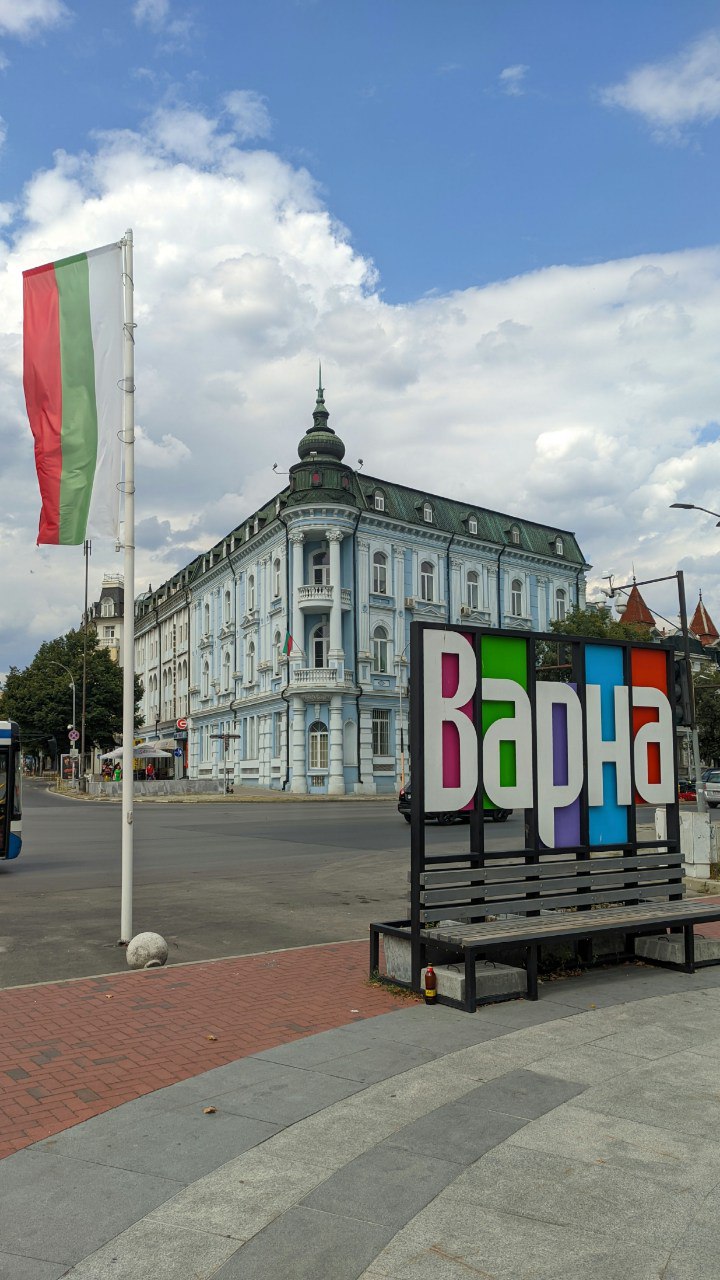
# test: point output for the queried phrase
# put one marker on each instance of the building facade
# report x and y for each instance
(286, 646)
(107, 616)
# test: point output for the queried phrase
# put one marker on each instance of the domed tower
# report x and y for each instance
(320, 473)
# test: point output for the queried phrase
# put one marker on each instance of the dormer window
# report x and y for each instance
(515, 536)
(107, 609)
(472, 524)
(427, 513)
(379, 500)
(559, 550)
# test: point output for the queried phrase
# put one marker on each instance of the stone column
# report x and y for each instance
(334, 537)
(295, 617)
(456, 596)
(399, 592)
(363, 597)
(299, 778)
(336, 777)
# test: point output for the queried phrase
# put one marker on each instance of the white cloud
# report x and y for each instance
(175, 33)
(680, 91)
(574, 396)
(248, 113)
(512, 80)
(151, 12)
(28, 18)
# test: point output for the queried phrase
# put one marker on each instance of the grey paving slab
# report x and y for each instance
(292, 1096)
(414, 1093)
(323, 1047)
(538, 1185)
(643, 1150)
(378, 1061)
(308, 1245)
(524, 1094)
(157, 1250)
(462, 1131)
(386, 1185)
(650, 1041)
(14, 1267)
(429, 1026)
(183, 1145)
(448, 1243)
(696, 1256)
(243, 1196)
(587, 1064)
(59, 1210)
(647, 1099)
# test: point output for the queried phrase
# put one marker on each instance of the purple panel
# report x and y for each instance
(567, 820)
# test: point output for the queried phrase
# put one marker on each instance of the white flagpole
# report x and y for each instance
(128, 729)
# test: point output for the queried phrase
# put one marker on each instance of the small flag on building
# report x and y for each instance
(74, 390)
(288, 645)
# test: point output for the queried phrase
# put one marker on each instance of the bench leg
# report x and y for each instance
(470, 983)
(532, 967)
(374, 951)
(689, 932)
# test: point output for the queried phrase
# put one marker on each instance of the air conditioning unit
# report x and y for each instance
(465, 610)
(409, 602)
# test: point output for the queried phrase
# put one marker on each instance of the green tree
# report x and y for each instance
(553, 659)
(707, 716)
(40, 696)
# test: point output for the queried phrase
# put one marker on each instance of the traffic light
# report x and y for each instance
(681, 693)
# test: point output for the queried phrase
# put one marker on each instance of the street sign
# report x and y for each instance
(181, 735)
(73, 735)
(182, 723)
(178, 752)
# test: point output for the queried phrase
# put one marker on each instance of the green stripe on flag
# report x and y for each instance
(79, 409)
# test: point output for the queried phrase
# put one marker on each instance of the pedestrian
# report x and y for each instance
(150, 771)
(117, 775)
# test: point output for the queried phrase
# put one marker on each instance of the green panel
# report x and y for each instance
(503, 659)
(79, 408)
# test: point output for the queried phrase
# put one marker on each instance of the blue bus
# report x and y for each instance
(10, 790)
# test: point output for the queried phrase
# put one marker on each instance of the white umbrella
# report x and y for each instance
(139, 753)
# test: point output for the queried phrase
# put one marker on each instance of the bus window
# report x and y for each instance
(4, 824)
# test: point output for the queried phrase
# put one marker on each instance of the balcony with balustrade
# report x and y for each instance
(319, 598)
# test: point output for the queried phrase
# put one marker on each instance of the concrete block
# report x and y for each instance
(670, 947)
(493, 980)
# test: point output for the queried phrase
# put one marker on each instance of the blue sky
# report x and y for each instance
(497, 218)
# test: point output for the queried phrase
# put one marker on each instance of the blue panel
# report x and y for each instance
(604, 666)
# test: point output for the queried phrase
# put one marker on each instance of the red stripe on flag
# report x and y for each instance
(42, 380)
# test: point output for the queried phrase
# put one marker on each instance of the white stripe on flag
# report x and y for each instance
(106, 323)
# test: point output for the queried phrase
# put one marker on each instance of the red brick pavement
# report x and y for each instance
(73, 1049)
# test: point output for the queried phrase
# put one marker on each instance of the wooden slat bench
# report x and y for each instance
(511, 902)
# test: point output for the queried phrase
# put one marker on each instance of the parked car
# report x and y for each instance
(711, 787)
(455, 815)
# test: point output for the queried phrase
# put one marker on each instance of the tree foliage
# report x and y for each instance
(707, 717)
(553, 659)
(40, 696)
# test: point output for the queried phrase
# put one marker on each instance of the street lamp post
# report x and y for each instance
(54, 663)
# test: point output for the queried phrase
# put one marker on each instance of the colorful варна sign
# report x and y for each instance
(578, 754)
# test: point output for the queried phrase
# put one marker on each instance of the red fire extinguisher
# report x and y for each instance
(430, 985)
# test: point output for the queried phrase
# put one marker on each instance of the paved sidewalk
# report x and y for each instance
(573, 1137)
(73, 1049)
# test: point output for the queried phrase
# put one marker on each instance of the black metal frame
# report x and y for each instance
(566, 925)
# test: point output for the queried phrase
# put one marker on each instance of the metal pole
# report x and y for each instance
(126, 891)
(699, 794)
(86, 549)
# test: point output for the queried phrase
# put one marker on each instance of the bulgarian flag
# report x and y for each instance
(73, 378)
(288, 645)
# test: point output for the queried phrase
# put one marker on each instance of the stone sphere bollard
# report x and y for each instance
(147, 951)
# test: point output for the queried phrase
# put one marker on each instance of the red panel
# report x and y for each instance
(42, 379)
(648, 667)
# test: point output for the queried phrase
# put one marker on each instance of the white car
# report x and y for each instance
(711, 787)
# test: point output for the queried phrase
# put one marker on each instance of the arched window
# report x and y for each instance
(560, 604)
(472, 524)
(515, 536)
(380, 573)
(559, 547)
(516, 598)
(320, 645)
(379, 500)
(206, 620)
(277, 588)
(250, 592)
(321, 568)
(206, 679)
(276, 652)
(250, 663)
(427, 581)
(350, 743)
(427, 513)
(107, 608)
(228, 610)
(380, 650)
(226, 670)
(318, 745)
(473, 590)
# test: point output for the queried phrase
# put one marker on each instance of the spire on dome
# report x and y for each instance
(702, 625)
(321, 441)
(636, 610)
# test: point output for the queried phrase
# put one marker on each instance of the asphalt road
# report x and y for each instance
(215, 879)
